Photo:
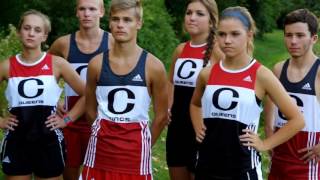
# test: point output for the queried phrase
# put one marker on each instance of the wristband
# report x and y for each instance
(67, 120)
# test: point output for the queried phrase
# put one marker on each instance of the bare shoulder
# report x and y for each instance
(154, 64)
(277, 68)
(264, 74)
(204, 74)
(179, 49)
(96, 61)
(4, 63)
(58, 61)
(4, 68)
(62, 41)
(60, 46)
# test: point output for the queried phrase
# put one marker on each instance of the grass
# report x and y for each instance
(268, 51)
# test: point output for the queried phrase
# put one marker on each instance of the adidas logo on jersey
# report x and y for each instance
(248, 79)
(307, 87)
(45, 67)
(137, 78)
(6, 160)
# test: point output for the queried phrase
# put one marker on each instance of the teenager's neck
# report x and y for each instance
(90, 34)
(237, 62)
(304, 60)
(127, 49)
(199, 39)
(31, 55)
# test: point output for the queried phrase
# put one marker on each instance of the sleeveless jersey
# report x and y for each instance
(304, 95)
(120, 139)
(186, 70)
(32, 94)
(79, 61)
(229, 105)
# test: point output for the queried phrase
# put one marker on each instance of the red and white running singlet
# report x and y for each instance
(229, 105)
(32, 93)
(286, 159)
(120, 139)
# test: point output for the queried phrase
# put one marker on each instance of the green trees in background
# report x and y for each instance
(268, 14)
(9, 45)
(163, 19)
(156, 35)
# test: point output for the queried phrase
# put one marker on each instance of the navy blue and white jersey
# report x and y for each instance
(121, 139)
(286, 155)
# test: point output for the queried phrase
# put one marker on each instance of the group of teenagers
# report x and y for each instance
(211, 101)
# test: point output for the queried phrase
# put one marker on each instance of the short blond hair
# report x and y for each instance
(117, 5)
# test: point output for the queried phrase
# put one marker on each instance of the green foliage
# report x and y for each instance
(176, 9)
(9, 45)
(156, 35)
(288, 6)
(264, 12)
(270, 49)
(62, 14)
(268, 14)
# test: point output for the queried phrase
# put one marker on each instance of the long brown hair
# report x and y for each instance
(212, 9)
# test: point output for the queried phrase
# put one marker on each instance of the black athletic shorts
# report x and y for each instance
(44, 158)
(181, 145)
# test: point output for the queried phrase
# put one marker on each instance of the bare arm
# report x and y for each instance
(93, 73)
(280, 97)
(10, 121)
(158, 85)
(269, 107)
(195, 105)
(70, 76)
(4, 70)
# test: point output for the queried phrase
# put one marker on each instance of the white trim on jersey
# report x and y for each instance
(145, 162)
(18, 57)
(197, 45)
(92, 145)
(259, 172)
(313, 164)
(239, 70)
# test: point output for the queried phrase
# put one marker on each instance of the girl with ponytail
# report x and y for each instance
(189, 58)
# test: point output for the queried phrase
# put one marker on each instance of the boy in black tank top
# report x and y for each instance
(298, 158)
(118, 95)
(79, 48)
